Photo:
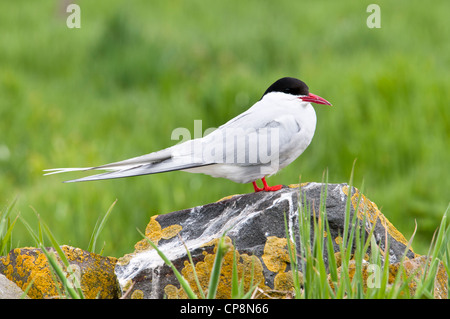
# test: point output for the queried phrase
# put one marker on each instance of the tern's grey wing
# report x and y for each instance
(244, 141)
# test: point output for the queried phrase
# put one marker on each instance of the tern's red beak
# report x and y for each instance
(314, 99)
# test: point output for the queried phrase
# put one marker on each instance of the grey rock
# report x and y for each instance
(253, 223)
(94, 273)
(9, 290)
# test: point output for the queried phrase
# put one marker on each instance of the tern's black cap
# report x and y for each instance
(290, 86)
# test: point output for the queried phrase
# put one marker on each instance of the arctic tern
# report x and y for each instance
(257, 143)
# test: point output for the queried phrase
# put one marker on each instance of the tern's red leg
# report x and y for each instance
(266, 188)
(257, 189)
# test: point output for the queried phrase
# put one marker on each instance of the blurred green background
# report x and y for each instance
(136, 70)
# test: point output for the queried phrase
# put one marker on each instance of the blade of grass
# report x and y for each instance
(202, 294)
(382, 292)
(441, 238)
(31, 231)
(68, 286)
(222, 249)
(40, 235)
(183, 282)
(346, 244)
(55, 267)
(322, 244)
(5, 243)
(438, 249)
(27, 289)
(447, 266)
(6, 236)
(401, 273)
(64, 260)
(332, 265)
(238, 287)
(99, 227)
(304, 224)
(235, 286)
(252, 286)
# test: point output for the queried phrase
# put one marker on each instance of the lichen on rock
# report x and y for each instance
(29, 266)
(249, 269)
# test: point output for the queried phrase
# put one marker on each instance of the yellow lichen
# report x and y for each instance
(29, 266)
(124, 260)
(284, 281)
(155, 233)
(371, 212)
(5, 260)
(171, 292)
(275, 258)
(170, 231)
(137, 294)
(275, 255)
(411, 267)
(246, 265)
(298, 185)
(25, 267)
(227, 197)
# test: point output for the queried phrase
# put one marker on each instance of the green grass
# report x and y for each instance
(6, 228)
(117, 87)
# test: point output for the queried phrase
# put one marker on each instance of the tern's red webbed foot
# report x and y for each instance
(266, 187)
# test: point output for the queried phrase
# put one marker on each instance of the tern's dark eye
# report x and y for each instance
(293, 91)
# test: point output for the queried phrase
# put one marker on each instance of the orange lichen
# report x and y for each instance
(26, 266)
